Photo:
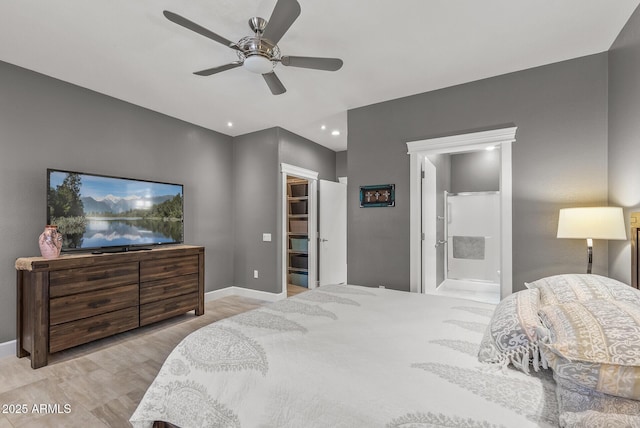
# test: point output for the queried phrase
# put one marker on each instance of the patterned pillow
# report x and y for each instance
(512, 335)
(595, 419)
(595, 344)
(568, 288)
(584, 407)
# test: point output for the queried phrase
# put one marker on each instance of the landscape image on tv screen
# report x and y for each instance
(94, 211)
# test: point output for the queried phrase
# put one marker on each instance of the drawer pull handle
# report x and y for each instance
(98, 327)
(98, 303)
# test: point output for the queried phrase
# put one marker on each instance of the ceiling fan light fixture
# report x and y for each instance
(259, 53)
(258, 64)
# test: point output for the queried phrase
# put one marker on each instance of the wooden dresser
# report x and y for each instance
(78, 298)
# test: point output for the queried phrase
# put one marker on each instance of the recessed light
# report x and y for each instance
(335, 132)
(230, 124)
(490, 148)
(323, 127)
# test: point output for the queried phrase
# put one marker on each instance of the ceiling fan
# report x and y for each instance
(260, 53)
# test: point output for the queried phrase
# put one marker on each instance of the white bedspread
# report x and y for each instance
(345, 356)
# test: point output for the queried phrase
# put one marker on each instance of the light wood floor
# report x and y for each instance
(104, 381)
(292, 290)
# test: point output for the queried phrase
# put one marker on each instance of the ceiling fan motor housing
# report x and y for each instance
(259, 55)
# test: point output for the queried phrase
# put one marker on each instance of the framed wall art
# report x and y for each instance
(381, 195)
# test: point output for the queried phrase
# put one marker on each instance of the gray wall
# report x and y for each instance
(341, 164)
(48, 123)
(475, 171)
(624, 136)
(257, 199)
(298, 151)
(559, 160)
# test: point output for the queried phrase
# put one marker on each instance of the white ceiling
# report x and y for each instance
(128, 50)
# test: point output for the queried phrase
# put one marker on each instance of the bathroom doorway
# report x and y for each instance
(459, 185)
(464, 196)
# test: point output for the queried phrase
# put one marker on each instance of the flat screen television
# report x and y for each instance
(98, 212)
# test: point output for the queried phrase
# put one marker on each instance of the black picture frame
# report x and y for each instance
(380, 195)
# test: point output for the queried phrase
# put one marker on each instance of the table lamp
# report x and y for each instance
(591, 223)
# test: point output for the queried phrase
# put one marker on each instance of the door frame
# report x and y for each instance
(312, 177)
(418, 150)
(429, 223)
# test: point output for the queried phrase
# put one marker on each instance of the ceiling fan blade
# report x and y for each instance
(283, 15)
(214, 70)
(327, 64)
(190, 25)
(274, 83)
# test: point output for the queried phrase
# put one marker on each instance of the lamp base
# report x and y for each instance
(589, 254)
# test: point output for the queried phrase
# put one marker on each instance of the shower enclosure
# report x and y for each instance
(472, 231)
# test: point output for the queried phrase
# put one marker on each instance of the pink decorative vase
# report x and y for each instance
(50, 242)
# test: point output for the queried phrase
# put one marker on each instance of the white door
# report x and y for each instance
(333, 232)
(430, 245)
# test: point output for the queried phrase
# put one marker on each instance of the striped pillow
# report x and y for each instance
(568, 288)
(596, 344)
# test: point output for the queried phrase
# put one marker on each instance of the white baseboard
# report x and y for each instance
(243, 292)
(7, 348)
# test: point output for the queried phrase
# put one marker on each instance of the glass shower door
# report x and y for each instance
(473, 236)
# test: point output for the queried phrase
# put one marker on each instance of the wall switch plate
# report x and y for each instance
(255, 273)
(266, 237)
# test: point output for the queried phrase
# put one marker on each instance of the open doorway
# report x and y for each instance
(297, 235)
(461, 212)
(308, 261)
(299, 229)
(431, 244)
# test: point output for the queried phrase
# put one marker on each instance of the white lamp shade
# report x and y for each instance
(592, 223)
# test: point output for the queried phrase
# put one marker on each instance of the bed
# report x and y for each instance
(351, 356)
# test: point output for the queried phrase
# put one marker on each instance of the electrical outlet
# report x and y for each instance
(255, 273)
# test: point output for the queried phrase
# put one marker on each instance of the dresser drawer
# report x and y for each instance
(84, 305)
(166, 268)
(156, 311)
(168, 288)
(78, 280)
(67, 335)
